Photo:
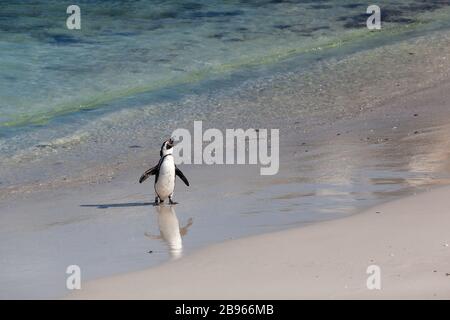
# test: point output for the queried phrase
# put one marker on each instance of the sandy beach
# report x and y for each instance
(408, 239)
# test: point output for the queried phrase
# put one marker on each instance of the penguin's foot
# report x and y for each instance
(156, 201)
(171, 200)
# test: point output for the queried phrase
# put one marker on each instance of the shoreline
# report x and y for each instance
(329, 85)
(327, 260)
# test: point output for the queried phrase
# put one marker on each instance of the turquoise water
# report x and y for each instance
(128, 54)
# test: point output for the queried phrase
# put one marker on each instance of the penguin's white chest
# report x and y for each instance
(166, 179)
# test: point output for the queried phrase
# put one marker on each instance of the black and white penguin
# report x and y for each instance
(164, 173)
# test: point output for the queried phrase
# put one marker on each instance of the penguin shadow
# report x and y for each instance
(169, 230)
(118, 205)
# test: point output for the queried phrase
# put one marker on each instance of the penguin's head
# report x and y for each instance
(167, 147)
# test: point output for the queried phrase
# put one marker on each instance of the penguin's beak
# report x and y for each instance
(170, 142)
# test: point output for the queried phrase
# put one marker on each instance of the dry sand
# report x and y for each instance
(408, 239)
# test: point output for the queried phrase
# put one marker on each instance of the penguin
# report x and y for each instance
(164, 172)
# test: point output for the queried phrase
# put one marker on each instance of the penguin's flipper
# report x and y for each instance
(148, 173)
(181, 175)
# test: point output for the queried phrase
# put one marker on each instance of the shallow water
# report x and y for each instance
(149, 59)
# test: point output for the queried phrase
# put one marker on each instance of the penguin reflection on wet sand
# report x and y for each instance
(164, 173)
(170, 230)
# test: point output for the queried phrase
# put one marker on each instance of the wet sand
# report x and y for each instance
(407, 239)
(112, 228)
